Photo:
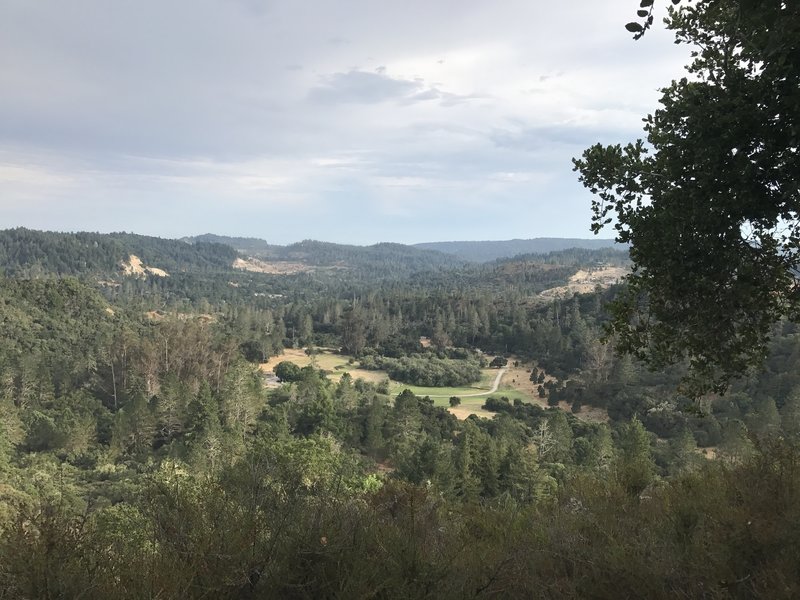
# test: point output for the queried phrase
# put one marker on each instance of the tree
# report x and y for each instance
(523, 478)
(287, 371)
(133, 426)
(305, 331)
(241, 399)
(454, 401)
(562, 438)
(764, 421)
(499, 362)
(354, 336)
(171, 408)
(711, 204)
(790, 414)
(466, 457)
(439, 338)
(634, 466)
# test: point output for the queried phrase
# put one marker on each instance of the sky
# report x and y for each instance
(350, 121)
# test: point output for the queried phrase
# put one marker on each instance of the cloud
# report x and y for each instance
(357, 86)
(214, 113)
(545, 138)
(363, 87)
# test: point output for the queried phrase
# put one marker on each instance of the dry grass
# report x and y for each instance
(462, 412)
(298, 357)
(518, 378)
(514, 384)
(336, 364)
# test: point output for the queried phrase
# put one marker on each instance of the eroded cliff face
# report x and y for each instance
(133, 267)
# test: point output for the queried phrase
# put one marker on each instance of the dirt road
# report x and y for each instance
(495, 385)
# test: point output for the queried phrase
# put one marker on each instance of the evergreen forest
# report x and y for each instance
(144, 453)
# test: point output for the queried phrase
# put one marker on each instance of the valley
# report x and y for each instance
(147, 385)
(495, 300)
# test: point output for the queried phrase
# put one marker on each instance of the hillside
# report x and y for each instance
(246, 245)
(139, 434)
(107, 257)
(28, 252)
(486, 251)
(378, 259)
(263, 268)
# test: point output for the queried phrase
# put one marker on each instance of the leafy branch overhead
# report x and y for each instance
(645, 12)
(710, 203)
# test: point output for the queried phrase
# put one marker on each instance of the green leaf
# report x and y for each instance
(633, 27)
(642, 13)
(645, 3)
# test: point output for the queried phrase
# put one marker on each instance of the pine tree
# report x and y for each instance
(634, 468)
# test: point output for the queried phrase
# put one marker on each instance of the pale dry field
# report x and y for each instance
(462, 412)
(518, 378)
(514, 383)
(335, 364)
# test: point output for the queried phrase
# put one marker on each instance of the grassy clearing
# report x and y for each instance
(462, 412)
(470, 406)
(338, 364)
(480, 387)
(513, 386)
(335, 364)
(512, 395)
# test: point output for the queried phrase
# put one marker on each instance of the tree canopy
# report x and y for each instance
(710, 203)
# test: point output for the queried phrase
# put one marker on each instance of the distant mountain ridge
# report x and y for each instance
(28, 252)
(31, 253)
(384, 255)
(487, 251)
(246, 245)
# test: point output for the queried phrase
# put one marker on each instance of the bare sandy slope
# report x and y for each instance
(584, 282)
(133, 267)
(273, 268)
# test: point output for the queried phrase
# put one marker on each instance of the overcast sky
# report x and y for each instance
(341, 120)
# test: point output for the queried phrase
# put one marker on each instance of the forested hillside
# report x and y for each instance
(26, 252)
(376, 260)
(223, 418)
(143, 453)
(487, 251)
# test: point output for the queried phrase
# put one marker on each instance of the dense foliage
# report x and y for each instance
(290, 520)
(376, 261)
(427, 370)
(34, 253)
(488, 251)
(710, 205)
(142, 455)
